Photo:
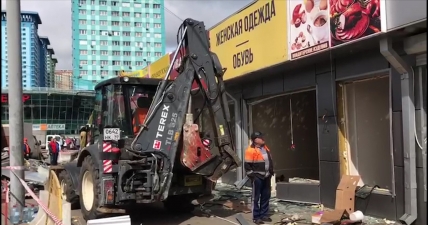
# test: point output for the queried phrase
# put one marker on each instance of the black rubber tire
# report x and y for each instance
(89, 165)
(70, 192)
(179, 204)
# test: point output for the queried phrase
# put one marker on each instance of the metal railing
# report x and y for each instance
(46, 90)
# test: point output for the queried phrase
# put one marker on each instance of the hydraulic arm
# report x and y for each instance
(170, 119)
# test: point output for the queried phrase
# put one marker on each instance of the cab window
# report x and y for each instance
(96, 113)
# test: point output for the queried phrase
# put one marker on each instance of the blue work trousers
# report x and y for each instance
(261, 197)
(54, 159)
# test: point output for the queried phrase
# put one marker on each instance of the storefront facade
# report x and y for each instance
(332, 98)
(341, 107)
(357, 97)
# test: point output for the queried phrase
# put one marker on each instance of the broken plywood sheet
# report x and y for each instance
(345, 200)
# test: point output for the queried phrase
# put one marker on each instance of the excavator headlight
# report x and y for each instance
(125, 79)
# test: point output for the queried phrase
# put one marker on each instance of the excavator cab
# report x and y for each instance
(122, 102)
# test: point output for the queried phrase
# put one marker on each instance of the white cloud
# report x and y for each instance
(56, 20)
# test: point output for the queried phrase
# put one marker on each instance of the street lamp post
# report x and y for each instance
(16, 119)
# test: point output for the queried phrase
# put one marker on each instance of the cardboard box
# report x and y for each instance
(345, 200)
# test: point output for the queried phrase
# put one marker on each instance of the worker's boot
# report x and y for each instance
(266, 219)
(258, 221)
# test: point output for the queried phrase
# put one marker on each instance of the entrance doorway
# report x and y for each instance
(289, 124)
(365, 132)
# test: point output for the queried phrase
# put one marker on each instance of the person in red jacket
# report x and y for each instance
(53, 151)
(27, 149)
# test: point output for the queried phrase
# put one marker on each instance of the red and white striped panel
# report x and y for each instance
(107, 164)
(206, 143)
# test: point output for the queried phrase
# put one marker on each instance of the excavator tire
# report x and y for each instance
(179, 204)
(69, 194)
(89, 189)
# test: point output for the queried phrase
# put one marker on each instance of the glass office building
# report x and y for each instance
(114, 35)
(52, 110)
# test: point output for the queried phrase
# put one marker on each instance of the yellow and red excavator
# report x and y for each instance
(142, 144)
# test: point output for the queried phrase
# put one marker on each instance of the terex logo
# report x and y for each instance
(162, 121)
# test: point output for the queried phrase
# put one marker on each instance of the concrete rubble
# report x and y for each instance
(227, 196)
(224, 197)
(36, 174)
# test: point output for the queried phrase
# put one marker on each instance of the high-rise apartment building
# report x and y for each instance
(114, 35)
(34, 51)
(51, 65)
(43, 52)
(63, 79)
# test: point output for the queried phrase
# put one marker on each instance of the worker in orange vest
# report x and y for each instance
(259, 168)
(141, 108)
(27, 149)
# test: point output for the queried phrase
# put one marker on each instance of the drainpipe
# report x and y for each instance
(408, 118)
(423, 129)
(416, 45)
(238, 130)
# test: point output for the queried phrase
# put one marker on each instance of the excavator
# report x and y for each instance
(142, 143)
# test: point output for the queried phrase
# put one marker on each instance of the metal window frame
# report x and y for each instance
(238, 133)
(254, 102)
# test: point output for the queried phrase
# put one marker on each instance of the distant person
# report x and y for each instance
(68, 143)
(77, 143)
(63, 143)
(54, 151)
(27, 149)
(58, 146)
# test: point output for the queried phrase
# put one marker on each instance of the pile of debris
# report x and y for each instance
(292, 213)
(36, 174)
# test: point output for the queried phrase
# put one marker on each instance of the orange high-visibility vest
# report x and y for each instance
(139, 117)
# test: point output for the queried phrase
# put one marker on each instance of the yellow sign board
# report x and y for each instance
(144, 72)
(159, 68)
(252, 39)
(139, 73)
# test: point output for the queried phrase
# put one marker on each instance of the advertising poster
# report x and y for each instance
(317, 25)
(309, 27)
(351, 20)
(252, 39)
